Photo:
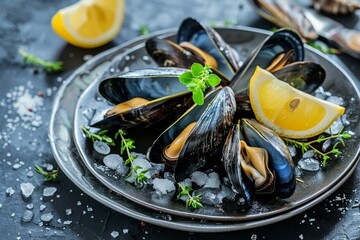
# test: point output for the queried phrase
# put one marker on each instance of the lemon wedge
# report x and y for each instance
(89, 23)
(288, 111)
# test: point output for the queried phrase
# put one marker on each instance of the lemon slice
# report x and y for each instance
(288, 111)
(89, 23)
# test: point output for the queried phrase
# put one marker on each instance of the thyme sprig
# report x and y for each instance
(126, 145)
(48, 176)
(99, 136)
(38, 62)
(198, 79)
(305, 146)
(193, 202)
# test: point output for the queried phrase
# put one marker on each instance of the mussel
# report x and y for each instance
(281, 48)
(305, 76)
(207, 39)
(169, 54)
(203, 139)
(257, 135)
(144, 97)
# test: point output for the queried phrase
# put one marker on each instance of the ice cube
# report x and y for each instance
(156, 169)
(112, 161)
(101, 148)
(163, 185)
(209, 196)
(213, 180)
(308, 154)
(309, 164)
(292, 150)
(326, 145)
(336, 100)
(336, 127)
(199, 178)
(227, 192)
(186, 182)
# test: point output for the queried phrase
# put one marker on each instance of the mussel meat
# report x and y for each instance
(280, 161)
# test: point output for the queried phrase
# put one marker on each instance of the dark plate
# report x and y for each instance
(244, 40)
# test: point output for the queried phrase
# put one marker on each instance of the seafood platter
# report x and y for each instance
(216, 162)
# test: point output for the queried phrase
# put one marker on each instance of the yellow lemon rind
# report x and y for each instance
(332, 111)
(63, 28)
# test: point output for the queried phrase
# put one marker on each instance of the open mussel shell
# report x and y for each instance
(169, 54)
(279, 157)
(281, 48)
(231, 158)
(163, 109)
(305, 76)
(149, 84)
(213, 122)
(208, 40)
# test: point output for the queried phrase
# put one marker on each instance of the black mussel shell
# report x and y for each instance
(281, 48)
(145, 83)
(208, 40)
(280, 160)
(305, 76)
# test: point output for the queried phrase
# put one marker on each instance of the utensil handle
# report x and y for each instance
(349, 41)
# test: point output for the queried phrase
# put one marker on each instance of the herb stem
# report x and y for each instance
(35, 61)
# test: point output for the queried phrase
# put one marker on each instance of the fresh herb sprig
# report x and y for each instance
(193, 202)
(144, 30)
(305, 146)
(198, 79)
(56, 66)
(48, 176)
(100, 136)
(126, 145)
(322, 47)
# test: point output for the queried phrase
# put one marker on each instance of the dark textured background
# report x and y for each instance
(26, 24)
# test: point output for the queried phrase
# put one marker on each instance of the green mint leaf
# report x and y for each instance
(186, 78)
(197, 69)
(198, 97)
(213, 80)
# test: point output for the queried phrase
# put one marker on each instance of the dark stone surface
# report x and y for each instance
(26, 24)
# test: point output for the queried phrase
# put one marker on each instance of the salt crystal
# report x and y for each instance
(49, 191)
(301, 236)
(46, 217)
(125, 231)
(163, 185)
(199, 178)
(112, 161)
(89, 209)
(78, 203)
(67, 222)
(253, 237)
(27, 189)
(49, 167)
(9, 191)
(27, 216)
(68, 211)
(30, 206)
(0, 205)
(16, 166)
(114, 234)
(42, 207)
(87, 57)
(59, 220)
(309, 164)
